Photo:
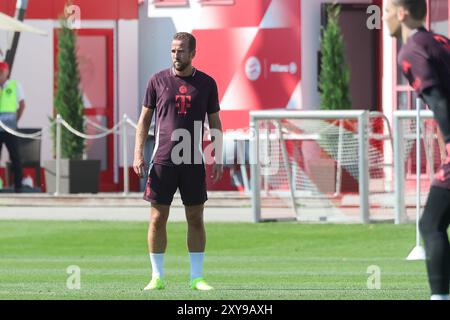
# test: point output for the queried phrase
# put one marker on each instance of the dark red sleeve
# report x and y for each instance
(150, 95)
(213, 101)
(419, 71)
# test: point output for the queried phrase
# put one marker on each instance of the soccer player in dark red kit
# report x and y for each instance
(180, 97)
(425, 60)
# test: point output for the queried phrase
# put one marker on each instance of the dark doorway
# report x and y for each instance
(361, 46)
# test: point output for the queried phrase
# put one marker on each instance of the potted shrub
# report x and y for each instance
(77, 174)
(334, 73)
(334, 89)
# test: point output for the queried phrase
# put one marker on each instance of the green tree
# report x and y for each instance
(68, 96)
(334, 72)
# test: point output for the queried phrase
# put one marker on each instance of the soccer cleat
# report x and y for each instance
(155, 284)
(200, 284)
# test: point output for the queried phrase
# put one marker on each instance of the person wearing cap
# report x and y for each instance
(12, 105)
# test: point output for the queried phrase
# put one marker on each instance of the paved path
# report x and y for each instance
(118, 214)
(221, 207)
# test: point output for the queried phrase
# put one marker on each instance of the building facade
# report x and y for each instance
(264, 54)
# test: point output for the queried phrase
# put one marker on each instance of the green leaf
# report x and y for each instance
(334, 73)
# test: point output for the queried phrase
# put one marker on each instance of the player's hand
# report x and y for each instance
(447, 159)
(440, 174)
(139, 166)
(217, 172)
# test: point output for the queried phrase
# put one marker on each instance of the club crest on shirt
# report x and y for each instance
(183, 89)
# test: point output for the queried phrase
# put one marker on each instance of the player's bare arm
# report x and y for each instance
(141, 136)
(216, 126)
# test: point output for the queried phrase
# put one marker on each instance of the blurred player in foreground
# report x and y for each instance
(425, 61)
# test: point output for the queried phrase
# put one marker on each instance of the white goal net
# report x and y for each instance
(313, 165)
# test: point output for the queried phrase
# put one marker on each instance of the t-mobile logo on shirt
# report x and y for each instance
(182, 101)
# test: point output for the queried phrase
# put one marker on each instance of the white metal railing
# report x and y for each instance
(120, 129)
(36, 135)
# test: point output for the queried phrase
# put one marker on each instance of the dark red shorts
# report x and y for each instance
(163, 181)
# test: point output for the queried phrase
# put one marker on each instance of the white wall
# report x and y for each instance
(128, 80)
(155, 35)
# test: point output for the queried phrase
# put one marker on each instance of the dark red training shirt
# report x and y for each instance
(425, 61)
(180, 103)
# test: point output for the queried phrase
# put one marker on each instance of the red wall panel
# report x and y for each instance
(253, 51)
(244, 13)
(39, 9)
(90, 9)
(7, 6)
(128, 9)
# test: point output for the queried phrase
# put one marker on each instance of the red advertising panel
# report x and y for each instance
(90, 9)
(252, 49)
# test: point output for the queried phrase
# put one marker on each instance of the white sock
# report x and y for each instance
(196, 259)
(440, 297)
(157, 261)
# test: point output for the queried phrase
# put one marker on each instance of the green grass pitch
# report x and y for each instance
(243, 261)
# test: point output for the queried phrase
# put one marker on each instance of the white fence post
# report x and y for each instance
(126, 186)
(418, 167)
(399, 171)
(255, 174)
(58, 155)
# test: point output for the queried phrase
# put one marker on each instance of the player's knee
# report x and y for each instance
(158, 224)
(158, 220)
(427, 227)
(195, 219)
(196, 224)
(423, 226)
